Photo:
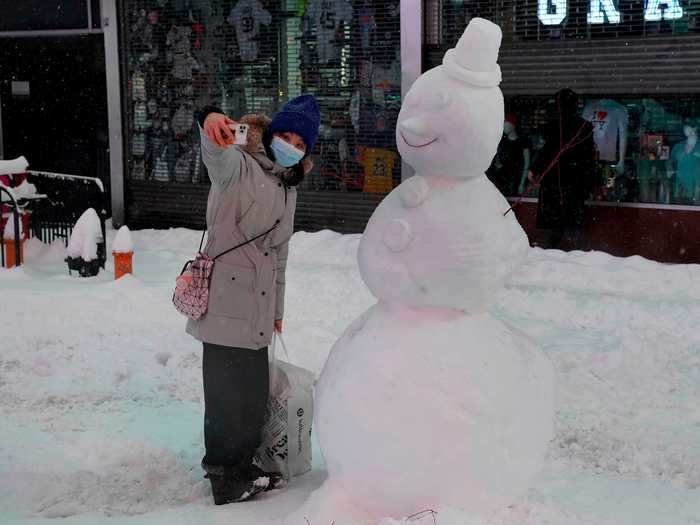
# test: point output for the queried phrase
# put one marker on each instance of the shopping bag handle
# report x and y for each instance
(275, 336)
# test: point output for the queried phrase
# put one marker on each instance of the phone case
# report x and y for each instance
(240, 132)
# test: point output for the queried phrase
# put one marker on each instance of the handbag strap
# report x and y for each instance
(245, 243)
(201, 242)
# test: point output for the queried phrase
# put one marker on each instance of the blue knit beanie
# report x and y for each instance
(301, 116)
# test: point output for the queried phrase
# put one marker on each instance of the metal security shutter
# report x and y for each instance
(250, 56)
(338, 211)
(633, 56)
(651, 65)
(166, 205)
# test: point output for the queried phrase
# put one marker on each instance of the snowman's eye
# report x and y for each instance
(438, 100)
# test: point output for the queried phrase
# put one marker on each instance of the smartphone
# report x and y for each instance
(240, 134)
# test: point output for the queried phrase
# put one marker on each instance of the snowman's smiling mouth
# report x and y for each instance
(417, 145)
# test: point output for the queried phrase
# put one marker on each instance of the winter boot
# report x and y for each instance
(233, 485)
(276, 478)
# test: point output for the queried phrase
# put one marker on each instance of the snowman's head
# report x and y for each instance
(451, 120)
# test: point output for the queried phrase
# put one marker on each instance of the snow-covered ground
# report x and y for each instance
(100, 388)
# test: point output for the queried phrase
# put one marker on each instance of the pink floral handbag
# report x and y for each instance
(191, 296)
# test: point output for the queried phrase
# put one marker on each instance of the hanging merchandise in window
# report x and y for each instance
(350, 60)
(324, 19)
(186, 54)
(610, 120)
(247, 16)
(367, 22)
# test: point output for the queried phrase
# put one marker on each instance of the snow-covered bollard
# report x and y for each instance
(84, 245)
(123, 252)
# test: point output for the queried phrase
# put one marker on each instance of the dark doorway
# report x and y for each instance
(56, 112)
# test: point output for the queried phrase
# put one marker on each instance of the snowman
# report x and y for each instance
(427, 400)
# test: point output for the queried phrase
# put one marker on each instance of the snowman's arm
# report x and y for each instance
(414, 191)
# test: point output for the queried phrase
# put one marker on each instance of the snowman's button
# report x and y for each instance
(414, 191)
(397, 235)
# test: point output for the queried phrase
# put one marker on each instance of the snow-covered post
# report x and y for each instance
(123, 252)
(13, 241)
(84, 243)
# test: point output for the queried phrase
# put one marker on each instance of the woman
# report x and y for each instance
(252, 196)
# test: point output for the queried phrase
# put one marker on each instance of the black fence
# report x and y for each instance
(59, 202)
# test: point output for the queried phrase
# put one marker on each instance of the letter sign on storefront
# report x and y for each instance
(654, 13)
(552, 12)
(602, 8)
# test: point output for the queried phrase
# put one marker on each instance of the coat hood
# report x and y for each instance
(257, 125)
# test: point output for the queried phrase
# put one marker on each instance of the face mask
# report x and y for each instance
(286, 155)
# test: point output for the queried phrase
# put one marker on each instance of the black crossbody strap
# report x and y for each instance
(201, 242)
(245, 243)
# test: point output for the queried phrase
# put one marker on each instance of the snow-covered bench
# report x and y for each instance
(67, 198)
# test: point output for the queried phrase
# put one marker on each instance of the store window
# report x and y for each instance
(250, 56)
(628, 61)
(646, 147)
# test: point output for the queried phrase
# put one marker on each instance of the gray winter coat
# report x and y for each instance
(247, 198)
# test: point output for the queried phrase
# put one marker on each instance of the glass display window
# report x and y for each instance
(251, 56)
(646, 149)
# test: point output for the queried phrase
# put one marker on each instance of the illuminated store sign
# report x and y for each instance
(554, 12)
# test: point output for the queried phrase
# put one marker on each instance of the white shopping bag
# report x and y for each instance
(286, 435)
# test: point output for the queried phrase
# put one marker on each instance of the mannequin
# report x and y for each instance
(610, 120)
(512, 161)
(685, 165)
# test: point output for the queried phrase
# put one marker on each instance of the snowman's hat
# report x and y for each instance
(474, 59)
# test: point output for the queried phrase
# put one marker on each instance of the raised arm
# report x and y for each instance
(222, 159)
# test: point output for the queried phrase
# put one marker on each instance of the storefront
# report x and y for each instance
(635, 66)
(53, 87)
(250, 56)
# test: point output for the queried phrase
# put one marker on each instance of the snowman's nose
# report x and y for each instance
(415, 126)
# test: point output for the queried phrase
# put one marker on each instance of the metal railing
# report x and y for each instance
(66, 198)
(58, 204)
(15, 217)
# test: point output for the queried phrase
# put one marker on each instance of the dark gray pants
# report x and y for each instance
(236, 388)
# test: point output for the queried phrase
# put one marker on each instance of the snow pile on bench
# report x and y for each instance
(10, 167)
